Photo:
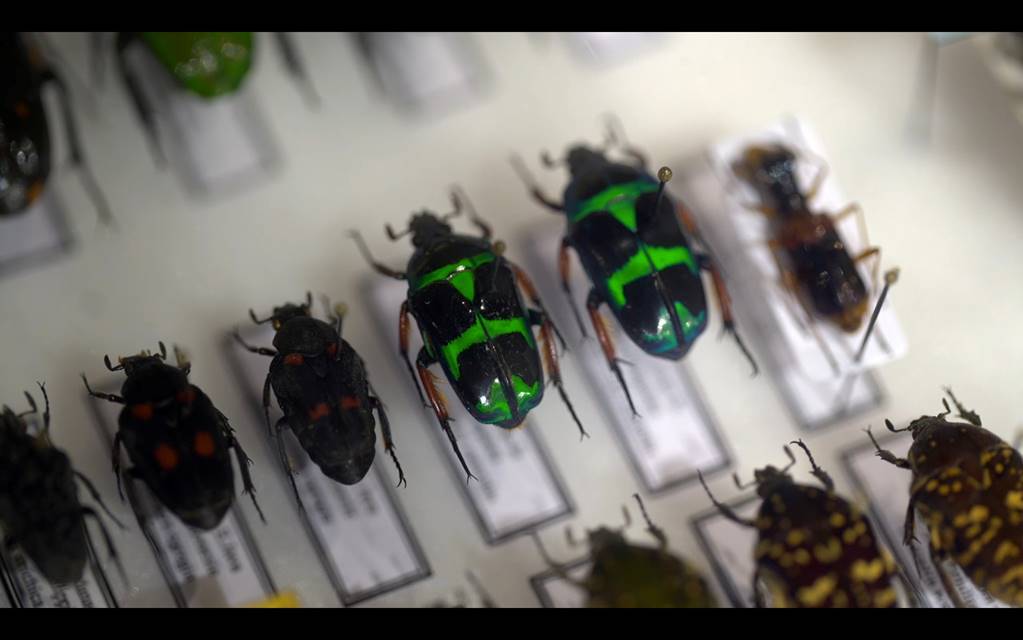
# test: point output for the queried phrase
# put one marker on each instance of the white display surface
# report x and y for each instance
(947, 214)
(35, 234)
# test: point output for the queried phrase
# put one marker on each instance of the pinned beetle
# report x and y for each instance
(464, 295)
(39, 507)
(324, 392)
(625, 575)
(178, 442)
(814, 548)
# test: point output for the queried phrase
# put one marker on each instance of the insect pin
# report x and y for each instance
(629, 576)
(816, 268)
(814, 548)
(628, 234)
(39, 507)
(26, 155)
(323, 390)
(179, 444)
(464, 295)
(968, 488)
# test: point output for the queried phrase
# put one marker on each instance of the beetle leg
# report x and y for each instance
(111, 549)
(725, 302)
(558, 568)
(293, 63)
(440, 409)
(404, 327)
(110, 397)
(266, 404)
(565, 270)
(244, 462)
(77, 155)
(550, 357)
(143, 109)
(385, 428)
(725, 510)
(861, 221)
(964, 413)
(378, 267)
(282, 424)
(527, 285)
(116, 462)
(887, 455)
(946, 580)
(593, 302)
(758, 595)
(534, 188)
(95, 496)
(263, 351)
(613, 127)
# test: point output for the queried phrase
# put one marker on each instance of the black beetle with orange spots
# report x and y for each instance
(814, 549)
(324, 392)
(968, 488)
(25, 152)
(39, 507)
(179, 443)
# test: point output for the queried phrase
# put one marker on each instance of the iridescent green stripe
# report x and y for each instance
(496, 404)
(619, 200)
(475, 335)
(460, 274)
(645, 262)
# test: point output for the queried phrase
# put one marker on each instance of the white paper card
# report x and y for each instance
(360, 531)
(730, 549)
(38, 231)
(605, 47)
(554, 591)
(674, 435)
(518, 487)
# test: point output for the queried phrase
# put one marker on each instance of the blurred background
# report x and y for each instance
(258, 195)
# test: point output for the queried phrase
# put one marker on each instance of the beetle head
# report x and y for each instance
(769, 478)
(582, 159)
(426, 227)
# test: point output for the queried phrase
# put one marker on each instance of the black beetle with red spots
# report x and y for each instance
(178, 442)
(323, 390)
(39, 507)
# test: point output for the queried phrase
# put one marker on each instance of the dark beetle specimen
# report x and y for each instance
(814, 549)
(628, 234)
(26, 157)
(814, 262)
(625, 575)
(178, 442)
(324, 392)
(39, 507)
(968, 487)
(464, 295)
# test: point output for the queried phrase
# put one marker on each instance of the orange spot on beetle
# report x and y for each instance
(34, 191)
(186, 396)
(204, 444)
(294, 359)
(319, 411)
(22, 109)
(142, 411)
(332, 349)
(166, 456)
(350, 402)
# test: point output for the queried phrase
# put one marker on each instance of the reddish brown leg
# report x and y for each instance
(527, 285)
(550, 358)
(565, 269)
(403, 330)
(724, 300)
(440, 409)
(593, 302)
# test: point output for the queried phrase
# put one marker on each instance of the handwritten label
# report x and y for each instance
(518, 487)
(28, 588)
(674, 435)
(360, 531)
(887, 489)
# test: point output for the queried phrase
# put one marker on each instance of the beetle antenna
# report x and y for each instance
(891, 427)
(163, 351)
(792, 458)
(252, 314)
(739, 484)
(817, 472)
(651, 528)
(550, 162)
(890, 278)
(120, 364)
(457, 196)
